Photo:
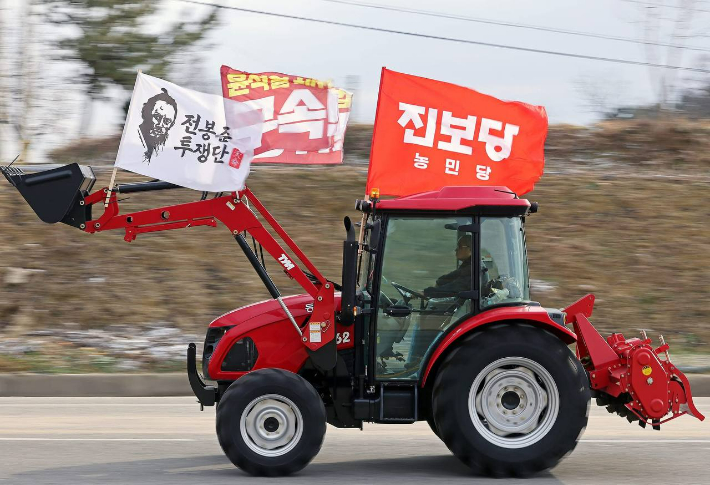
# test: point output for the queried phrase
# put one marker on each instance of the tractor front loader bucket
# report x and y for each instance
(628, 376)
(56, 195)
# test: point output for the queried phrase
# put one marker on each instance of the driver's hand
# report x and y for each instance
(430, 291)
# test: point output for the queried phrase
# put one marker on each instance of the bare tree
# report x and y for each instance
(3, 98)
(601, 96)
(666, 31)
(26, 64)
(34, 99)
(18, 77)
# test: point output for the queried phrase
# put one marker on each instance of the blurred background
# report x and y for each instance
(623, 212)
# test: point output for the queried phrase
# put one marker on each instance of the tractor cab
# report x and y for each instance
(434, 260)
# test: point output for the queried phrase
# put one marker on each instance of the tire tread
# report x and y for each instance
(262, 382)
(508, 337)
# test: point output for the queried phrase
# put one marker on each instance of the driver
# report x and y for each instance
(451, 284)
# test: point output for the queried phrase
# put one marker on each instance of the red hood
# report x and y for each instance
(295, 303)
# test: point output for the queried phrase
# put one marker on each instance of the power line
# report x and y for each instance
(453, 39)
(660, 5)
(479, 20)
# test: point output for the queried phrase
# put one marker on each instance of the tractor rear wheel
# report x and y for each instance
(511, 400)
(432, 425)
(271, 422)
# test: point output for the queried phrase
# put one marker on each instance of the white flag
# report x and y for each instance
(200, 141)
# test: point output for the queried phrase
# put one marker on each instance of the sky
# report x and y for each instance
(257, 43)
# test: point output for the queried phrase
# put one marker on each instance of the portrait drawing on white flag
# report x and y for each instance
(158, 114)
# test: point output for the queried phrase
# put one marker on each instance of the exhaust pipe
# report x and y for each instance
(349, 283)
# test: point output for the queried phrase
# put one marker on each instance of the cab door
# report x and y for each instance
(425, 286)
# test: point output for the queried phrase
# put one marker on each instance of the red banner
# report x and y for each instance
(431, 134)
(304, 119)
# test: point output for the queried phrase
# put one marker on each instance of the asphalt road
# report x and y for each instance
(169, 441)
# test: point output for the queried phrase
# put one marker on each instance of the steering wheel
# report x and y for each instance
(390, 302)
(408, 293)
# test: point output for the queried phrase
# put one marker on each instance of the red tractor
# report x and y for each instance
(432, 321)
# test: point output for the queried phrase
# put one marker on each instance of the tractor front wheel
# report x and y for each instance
(511, 400)
(271, 422)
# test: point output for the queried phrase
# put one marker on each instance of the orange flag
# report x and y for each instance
(431, 134)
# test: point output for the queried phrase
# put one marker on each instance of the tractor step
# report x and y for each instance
(398, 403)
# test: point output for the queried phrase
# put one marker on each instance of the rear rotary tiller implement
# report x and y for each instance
(433, 322)
(628, 376)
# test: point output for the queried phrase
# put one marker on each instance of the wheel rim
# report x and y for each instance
(513, 402)
(271, 425)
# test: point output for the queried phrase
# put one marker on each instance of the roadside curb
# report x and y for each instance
(94, 385)
(150, 385)
(699, 384)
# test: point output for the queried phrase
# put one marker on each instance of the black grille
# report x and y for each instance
(241, 357)
(213, 336)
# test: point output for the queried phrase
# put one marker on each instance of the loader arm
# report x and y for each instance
(63, 195)
(232, 211)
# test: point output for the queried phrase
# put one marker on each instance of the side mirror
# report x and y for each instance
(398, 311)
(375, 235)
(349, 276)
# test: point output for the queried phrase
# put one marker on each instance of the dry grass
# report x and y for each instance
(642, 245)
(186, 277)
(673, 144)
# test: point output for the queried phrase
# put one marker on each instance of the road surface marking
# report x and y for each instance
(99, 439)
(645, 441)
(190, 439)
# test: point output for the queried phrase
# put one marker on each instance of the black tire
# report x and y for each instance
(481, 449)
(432, 425)
(239, 398)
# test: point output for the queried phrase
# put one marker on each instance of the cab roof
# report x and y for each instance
(457, 199)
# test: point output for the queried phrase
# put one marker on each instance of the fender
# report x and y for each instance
(278, 344)
(533, 315)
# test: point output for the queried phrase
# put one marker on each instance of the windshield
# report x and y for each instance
(504, 275)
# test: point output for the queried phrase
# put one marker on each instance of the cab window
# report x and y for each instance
(426, 266)
(504, 273)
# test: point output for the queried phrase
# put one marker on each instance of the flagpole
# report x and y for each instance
(123, 133)
(362, 228)
(367, 187)
(110, 186)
